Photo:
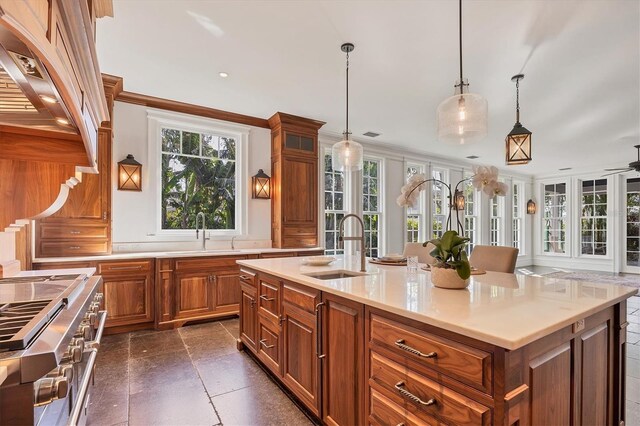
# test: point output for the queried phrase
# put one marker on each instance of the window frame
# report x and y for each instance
(521, 206)
(567, 217)
(324, 151)
(381, 202)
(445, 200)
(156, 122)
(578, 220)
(500, 219)
(420, 208)
(477, 197)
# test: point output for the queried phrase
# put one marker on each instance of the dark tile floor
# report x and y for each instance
(195, 376)
(190, 376)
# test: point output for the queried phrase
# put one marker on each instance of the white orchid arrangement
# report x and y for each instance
(485, 179)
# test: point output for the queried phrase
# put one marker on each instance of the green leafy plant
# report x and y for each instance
(450, 254)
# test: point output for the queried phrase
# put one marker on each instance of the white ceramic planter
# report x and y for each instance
(447, 278)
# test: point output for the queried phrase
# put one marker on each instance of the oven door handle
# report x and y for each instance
(83, 389)
(95, 343)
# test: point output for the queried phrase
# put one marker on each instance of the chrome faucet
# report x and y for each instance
(204, 230)
(342, 239)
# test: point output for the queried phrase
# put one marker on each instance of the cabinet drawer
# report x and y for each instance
(308, 253)
(200, 263)
(299, 242)
(277, 254)
(422, 396)
(385, 412)
(268, 345)
(248, 277)
(299, 231)
(124, 267)
(72, 248)
(461, 362)
(303, 297)
(269, 298)
(60, 231)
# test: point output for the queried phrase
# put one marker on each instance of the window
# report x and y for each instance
(518, 216)
(471, 214)
(372, 206)
(198, 175)
(415, 215)
(495, 220)
(439, 206)
(633, 222)
(554, 218)
(593, 220)
(334, 205)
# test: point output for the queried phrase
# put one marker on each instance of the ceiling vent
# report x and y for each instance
(472, 157)
(371, 134)
(565, 168)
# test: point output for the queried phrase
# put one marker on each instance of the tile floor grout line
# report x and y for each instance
(201, 381)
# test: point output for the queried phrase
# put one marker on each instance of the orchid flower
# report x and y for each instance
(496, 188)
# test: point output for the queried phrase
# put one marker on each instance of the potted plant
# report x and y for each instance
(452, 268)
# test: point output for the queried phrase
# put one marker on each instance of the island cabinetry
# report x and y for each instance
(269, 346)
(128, 293)
(248, 305)
(195, 288)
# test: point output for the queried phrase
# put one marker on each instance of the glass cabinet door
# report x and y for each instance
(631, 247)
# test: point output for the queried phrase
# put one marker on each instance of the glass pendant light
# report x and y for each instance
(518, 141)
(462, 118)
(347, 155)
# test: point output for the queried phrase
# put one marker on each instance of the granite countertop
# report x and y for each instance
(166, 254)
(506, 310)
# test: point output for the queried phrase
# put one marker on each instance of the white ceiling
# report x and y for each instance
(581, 60)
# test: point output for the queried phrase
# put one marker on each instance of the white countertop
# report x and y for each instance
(166, 254)
(506, 310)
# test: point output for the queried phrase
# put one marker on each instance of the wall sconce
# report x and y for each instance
(261, 185)
(458, 200)
(129, 174)
(531, 207)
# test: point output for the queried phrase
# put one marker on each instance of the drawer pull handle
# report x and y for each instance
(400, 343)
(400, 388)
(267, 299)
(74, 247)
(123, 268)
(263, 342)
(245, 277)
(74, 232)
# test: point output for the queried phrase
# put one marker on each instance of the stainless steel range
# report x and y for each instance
(50, 331)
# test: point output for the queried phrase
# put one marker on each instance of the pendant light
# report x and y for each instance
(347, 155)
(518, 140)
(462, 118)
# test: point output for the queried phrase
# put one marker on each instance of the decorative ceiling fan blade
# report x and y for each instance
(619, 171)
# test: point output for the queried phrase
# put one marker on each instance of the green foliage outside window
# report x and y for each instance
(198, 175)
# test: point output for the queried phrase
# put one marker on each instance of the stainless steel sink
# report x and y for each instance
(335, 275)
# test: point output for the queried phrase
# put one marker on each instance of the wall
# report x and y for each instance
(134, 213)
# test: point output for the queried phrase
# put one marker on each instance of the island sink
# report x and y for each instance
(335, 274)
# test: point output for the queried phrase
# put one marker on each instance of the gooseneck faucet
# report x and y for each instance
(342, 238)
(204, 230)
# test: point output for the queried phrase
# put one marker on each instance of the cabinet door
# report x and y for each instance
(128, 299)
(227, 291)
(300, 364)
(193, 294)
(269, 345)
(343, 347)
(299, 189)
(248, 315)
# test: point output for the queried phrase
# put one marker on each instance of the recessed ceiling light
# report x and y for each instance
(223, 74)
(565, 168)
(472, 157)
(63, 121)
(49, 99)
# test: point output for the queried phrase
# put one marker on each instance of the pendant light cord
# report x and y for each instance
(517, 100)
(346, 131)
(460, 40)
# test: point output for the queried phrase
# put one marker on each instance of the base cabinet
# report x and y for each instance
(351, 364)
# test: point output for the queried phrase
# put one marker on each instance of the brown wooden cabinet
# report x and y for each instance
(82, 227)
(294, 180)
(249, 306)
(196, 288)
(128, 292)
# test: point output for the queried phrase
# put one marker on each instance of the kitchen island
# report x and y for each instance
(389, 348)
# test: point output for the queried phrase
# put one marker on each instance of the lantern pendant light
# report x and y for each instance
(347, 155)
(518, 140)
(462, 118)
